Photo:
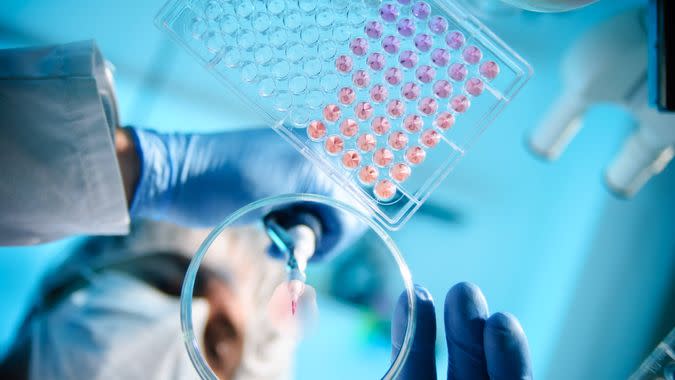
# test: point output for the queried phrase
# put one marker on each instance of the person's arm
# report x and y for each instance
(128, 161)
(62, 174)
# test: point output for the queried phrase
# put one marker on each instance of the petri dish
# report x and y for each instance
(355, 291)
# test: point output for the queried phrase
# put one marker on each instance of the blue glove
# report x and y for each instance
(197, 180)
(479, 347)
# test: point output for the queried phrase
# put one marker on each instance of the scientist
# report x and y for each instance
(112, 311)
(108, 312)
(67, 168)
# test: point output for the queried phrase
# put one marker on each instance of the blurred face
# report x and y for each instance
(224, 331)
(239, 342)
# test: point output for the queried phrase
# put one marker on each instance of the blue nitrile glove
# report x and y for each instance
(480, 347)
(197, 180)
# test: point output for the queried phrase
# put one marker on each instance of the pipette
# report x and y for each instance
(297, 242)
(660, 364)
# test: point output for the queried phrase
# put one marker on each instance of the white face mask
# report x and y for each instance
(121, 328)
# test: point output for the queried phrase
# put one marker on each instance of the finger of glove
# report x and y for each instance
(421, 361)
(466, 311)
(506, 349)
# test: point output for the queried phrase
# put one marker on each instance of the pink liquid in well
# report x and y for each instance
(380, 125)
(359, 46)
(423, 42)
(430, 138)
(393, 76)
(489, 70)
(440, 57)
(379, 93)
(455, 40)
(361, 79)
(460, 103)
(400, 172)
(425, 73)
(344, 63)
(421, 10)
(472, 54)
(406, 27)
(408, 59)
(349, 127)
(391, 44)
(368, 174)
(457, 71)
(383, 157)
(438, 24)
(373, 29)
(474, 86)
(442, 88)
(388, 12)
(334, 144)
(428, 106)
(376, 61)
(445, 120)
(331, 112)
(398, 140)
(351, 159)
(395, 108)
(385, 190)
(363, 110)
(415, 155)
(346, 95)
(413, 123)
(316, 130)
(410, 91)
(366, 142)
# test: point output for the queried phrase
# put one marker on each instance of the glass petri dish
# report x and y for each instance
(343, 333)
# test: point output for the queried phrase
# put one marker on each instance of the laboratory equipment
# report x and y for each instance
(297, 244)
(549, 5)
(622, 39)
(661, 34)
(489, 10)
(660, 364)
(647, 151)
(385, 97)
(331, 343)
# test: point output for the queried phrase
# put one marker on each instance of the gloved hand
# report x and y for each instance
(197, 180)
(479, 346)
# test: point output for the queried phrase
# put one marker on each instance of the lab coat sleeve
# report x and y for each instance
(58, 169)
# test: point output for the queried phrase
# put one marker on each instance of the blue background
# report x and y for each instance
(590, 276)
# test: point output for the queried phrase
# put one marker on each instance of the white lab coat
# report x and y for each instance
(119, 327)
(115, 328)
(58, 170)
